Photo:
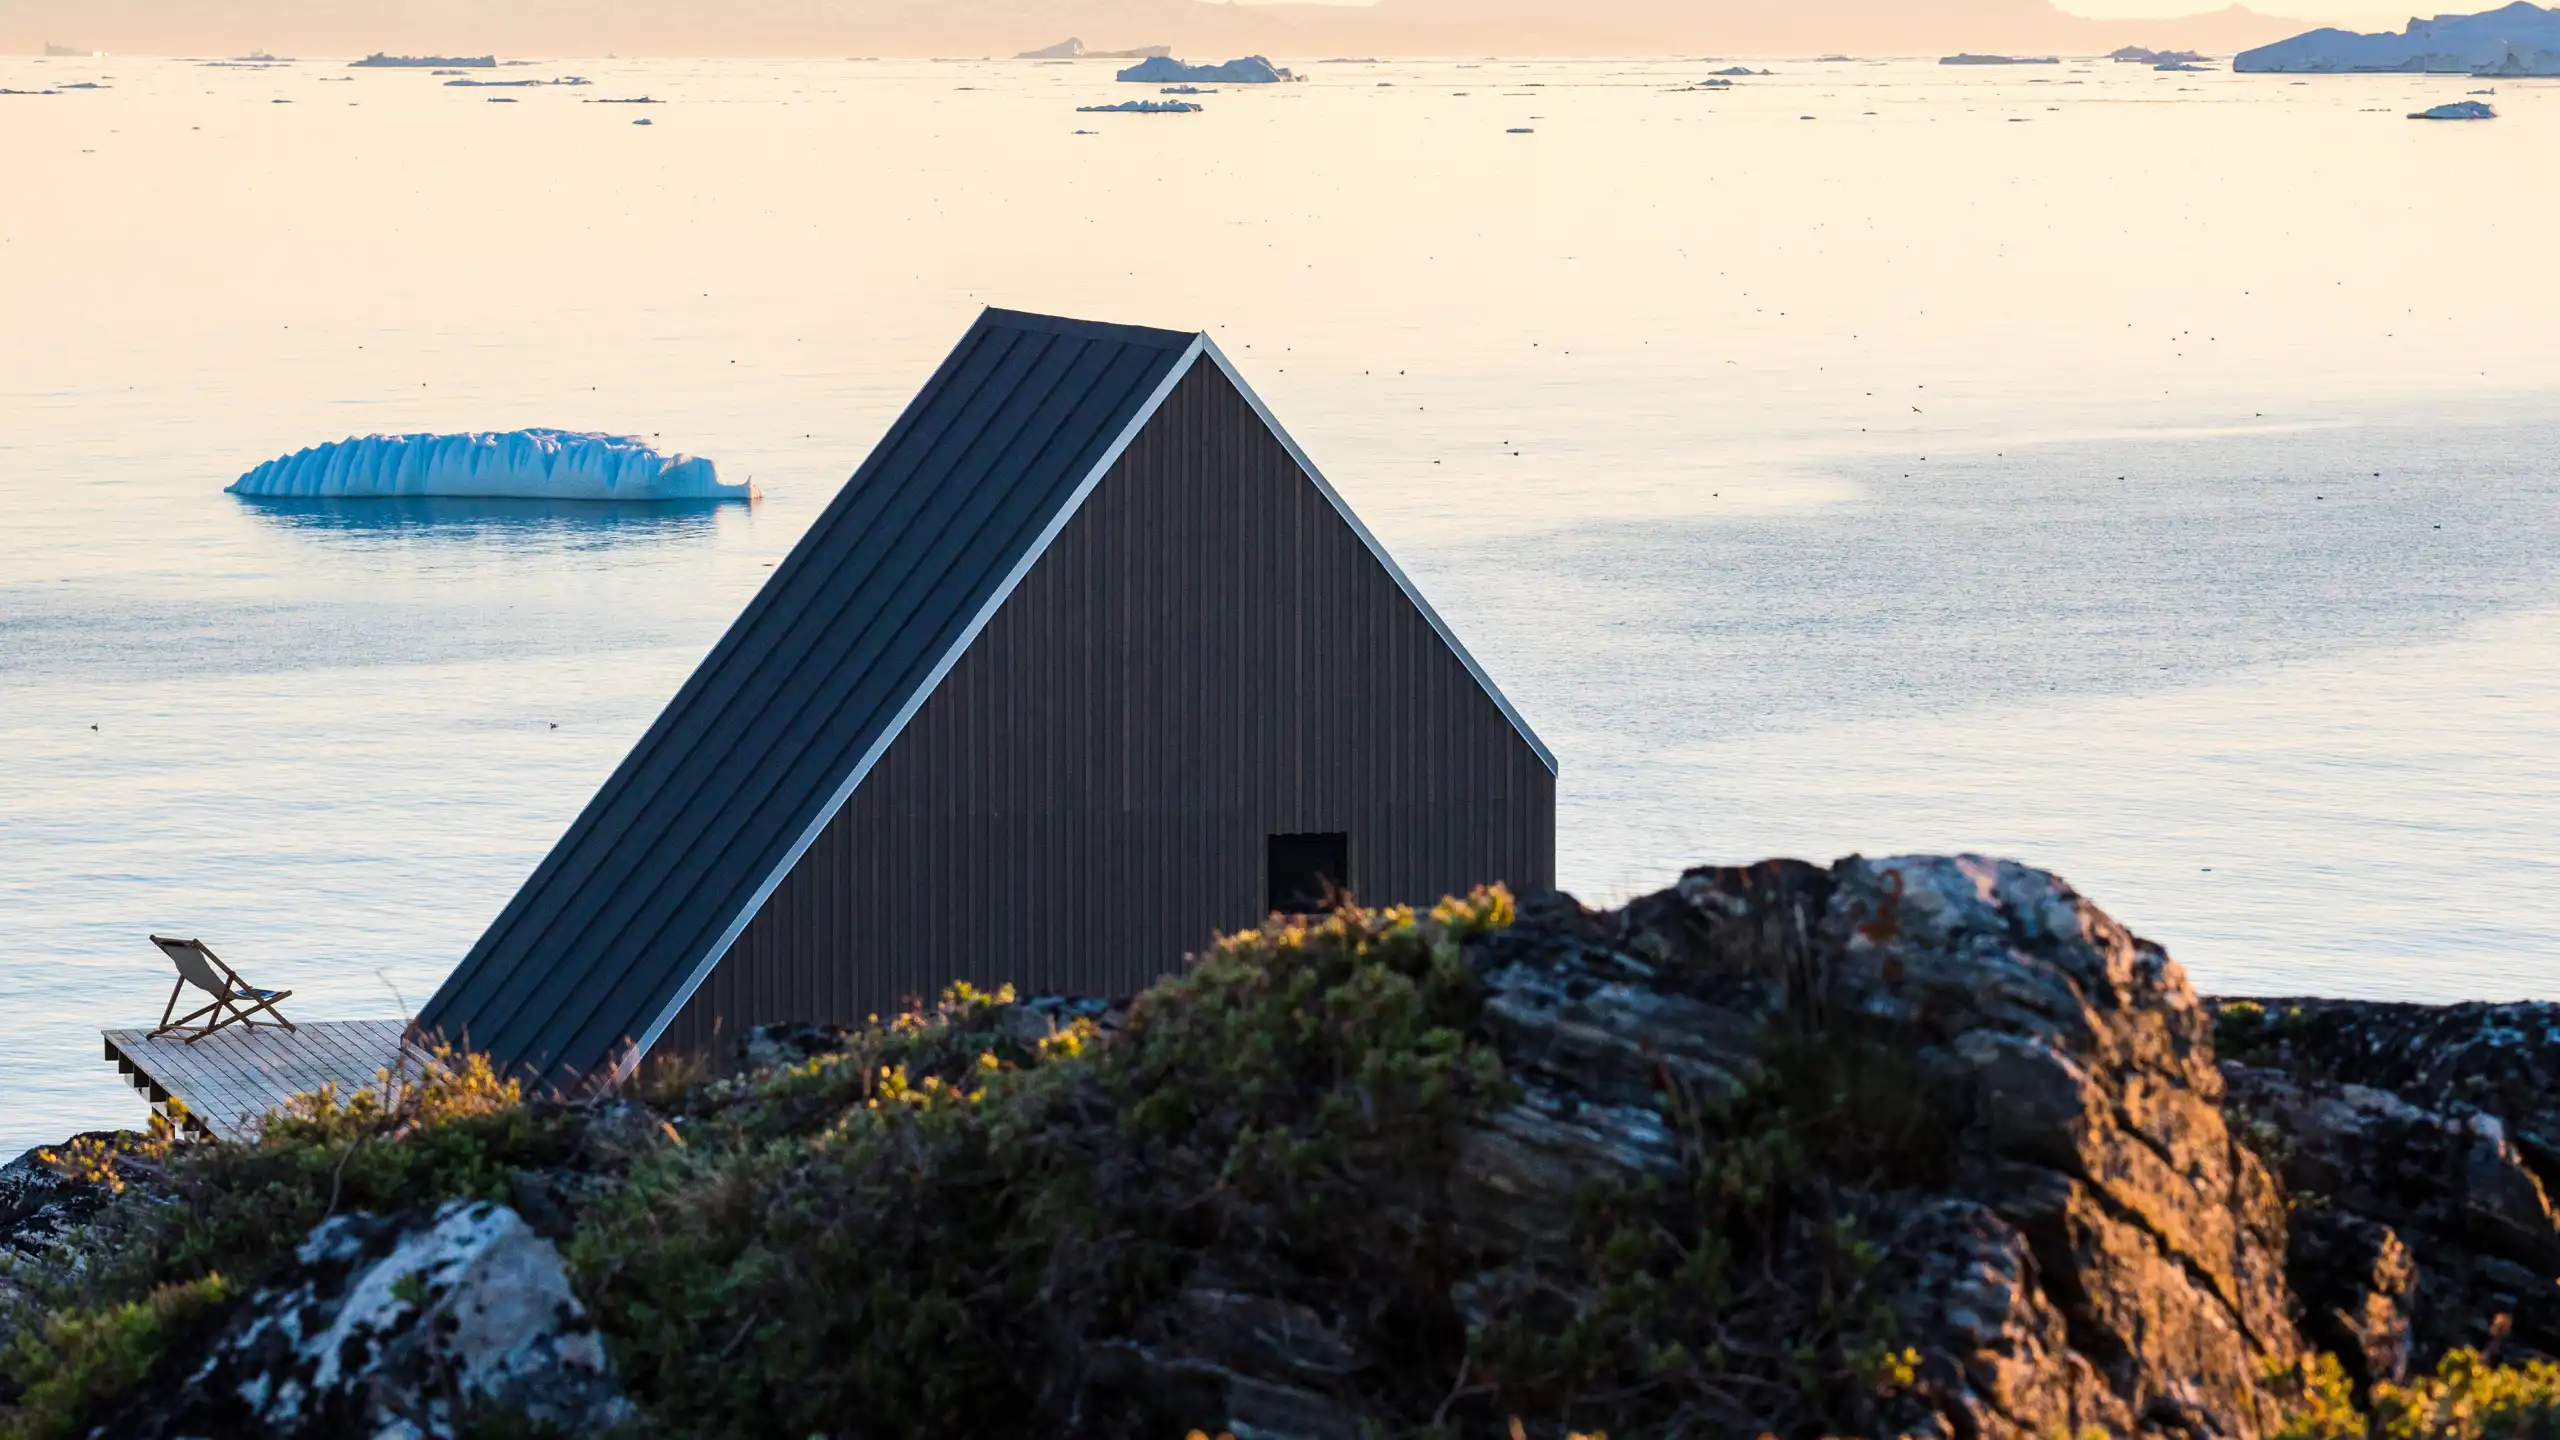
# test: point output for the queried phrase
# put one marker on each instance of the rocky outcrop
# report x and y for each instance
(2418, 1144)
(1921, 1146)
(400, 1326)
(39, 1200)
(2097, 1249)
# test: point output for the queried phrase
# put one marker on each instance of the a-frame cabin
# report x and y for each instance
(1085, 663)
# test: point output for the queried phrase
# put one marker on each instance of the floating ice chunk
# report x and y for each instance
(2458, 110)
(1142, 107)
(2521, 39)
(538, 464)
(379, 61)
(1251, 70)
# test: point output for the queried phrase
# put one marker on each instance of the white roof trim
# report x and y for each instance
(915, 701)
(1412, 592)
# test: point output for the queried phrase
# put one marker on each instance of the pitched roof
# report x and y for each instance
(760, 748)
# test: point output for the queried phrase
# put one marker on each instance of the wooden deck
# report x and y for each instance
(230, 1079)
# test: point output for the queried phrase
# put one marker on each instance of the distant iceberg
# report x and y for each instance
(2458, 110)
(1971, 59)
(1142, 107)
(379, 61)
(531, 464)
(1072, 48)
(2522, 39)
(1164, 69)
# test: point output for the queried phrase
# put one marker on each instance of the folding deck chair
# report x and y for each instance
(235, 1001)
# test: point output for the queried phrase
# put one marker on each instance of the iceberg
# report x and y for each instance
(519, 464)
(1971, 59)
(1251, 70)
(2521, 39)
(379, 61)
(2458, 110)
(1142, 107)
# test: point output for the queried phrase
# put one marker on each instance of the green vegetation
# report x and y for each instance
(195, 1225)
(74, 1360)
(946, 1230)
(2465, 1399)
(955, 1225)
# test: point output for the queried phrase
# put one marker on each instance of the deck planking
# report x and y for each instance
(229, 1080)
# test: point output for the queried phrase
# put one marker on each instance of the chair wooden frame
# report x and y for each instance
(235, 1001)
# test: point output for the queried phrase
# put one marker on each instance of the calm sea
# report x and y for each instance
(2148, 475)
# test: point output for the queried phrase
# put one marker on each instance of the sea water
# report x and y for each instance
(2147, 475)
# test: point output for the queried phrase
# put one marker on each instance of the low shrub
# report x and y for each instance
(943, 1228)
(71, 1361)
(192, 1225)
(2466, 1398)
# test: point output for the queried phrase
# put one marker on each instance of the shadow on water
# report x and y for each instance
(505, 524)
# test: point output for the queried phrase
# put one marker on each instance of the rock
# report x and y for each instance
(2357, 1284)
(2084, 1064)
(2500, 1059)
(2001, 1361)
(38, 1202)
(2408, 1146)
(2102, 1250)
(1265, 1366)
(395, 1326)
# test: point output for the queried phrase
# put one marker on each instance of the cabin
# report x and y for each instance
(1086, 663)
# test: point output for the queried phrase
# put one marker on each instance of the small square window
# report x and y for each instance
(1309, 874)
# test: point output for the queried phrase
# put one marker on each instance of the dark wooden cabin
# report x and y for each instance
(1085, 663)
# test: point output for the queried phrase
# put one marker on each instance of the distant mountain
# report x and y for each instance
(1195, 28)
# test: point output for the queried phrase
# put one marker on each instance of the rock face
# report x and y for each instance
(2101, 1251)
(38, 1202)
(2421, 1144)
(400, 1326)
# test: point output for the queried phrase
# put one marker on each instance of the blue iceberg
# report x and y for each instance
(1164, 69)
(2520, 39)
(514, 464)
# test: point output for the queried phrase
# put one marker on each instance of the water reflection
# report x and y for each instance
(545, 525)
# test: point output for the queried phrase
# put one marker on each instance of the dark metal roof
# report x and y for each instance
(762, 745)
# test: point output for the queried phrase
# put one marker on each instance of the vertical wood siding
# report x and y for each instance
(1206, 656)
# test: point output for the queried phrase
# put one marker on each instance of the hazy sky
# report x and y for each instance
(1277, 27)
